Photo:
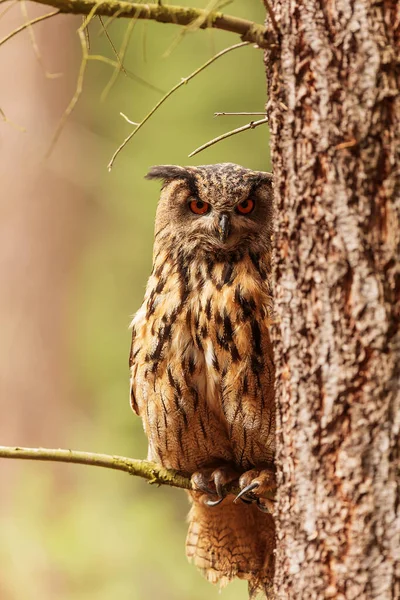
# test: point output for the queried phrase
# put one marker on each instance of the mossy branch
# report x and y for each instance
(151, 471)
(142, 468)
(177, 15)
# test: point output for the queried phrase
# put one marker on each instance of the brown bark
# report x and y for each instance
(334, 110)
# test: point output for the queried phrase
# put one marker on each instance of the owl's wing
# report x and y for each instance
(133, 365)
(241, 345)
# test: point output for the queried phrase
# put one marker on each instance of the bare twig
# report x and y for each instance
(182, 82)
(86, 57)
(34, 43)
(6, 120)
(128, 120)
(251, 125)
(194, 25)
(110, 20)
(166, 13)
(87, 36)
(28, 24)
(151, 471)
(247, 114)
(121, 58)
(78, 90)
(7, 8)
(119, 66)
(111, 44)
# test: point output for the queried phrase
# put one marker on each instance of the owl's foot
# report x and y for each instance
(211, 481)
(255, 485)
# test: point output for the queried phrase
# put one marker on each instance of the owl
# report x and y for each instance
(202, 374)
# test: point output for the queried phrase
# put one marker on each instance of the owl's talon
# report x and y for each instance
(249, 488)
(208, 502)
(211, 482)
(200, 480)
(257, 484)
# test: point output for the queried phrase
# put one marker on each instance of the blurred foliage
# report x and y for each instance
(111, 536)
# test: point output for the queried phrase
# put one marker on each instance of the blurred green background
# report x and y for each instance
(71, 531)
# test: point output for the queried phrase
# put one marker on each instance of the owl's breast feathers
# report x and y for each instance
(201, 362)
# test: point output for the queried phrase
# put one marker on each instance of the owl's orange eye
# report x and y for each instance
(245, 207)
(198, 207)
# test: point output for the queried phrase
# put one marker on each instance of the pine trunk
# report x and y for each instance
(334, 109)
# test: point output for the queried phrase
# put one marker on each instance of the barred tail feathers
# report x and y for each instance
(232, 540)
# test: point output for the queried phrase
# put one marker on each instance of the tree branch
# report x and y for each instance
(177, 15)
(228, 134)
(151, 471)
(238, 114)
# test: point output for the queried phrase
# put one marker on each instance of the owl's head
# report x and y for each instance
(214, 208)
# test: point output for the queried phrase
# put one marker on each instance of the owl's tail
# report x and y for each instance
(232, 540)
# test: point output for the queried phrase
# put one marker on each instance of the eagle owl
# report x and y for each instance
(202, 375)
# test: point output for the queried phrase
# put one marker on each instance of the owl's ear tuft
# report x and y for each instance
(168, 172)
(263, 180)
(263, 177)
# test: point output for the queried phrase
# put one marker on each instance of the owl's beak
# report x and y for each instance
(224, 227)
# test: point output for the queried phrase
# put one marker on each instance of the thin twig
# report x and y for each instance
(151, 471)
(7, 8)
(87, 36)
(224, 3)
(251, 125)
(193, 26)
(166, 13)
(121, 58)
(6, 120)
(128, 120)
(79, 83)
(119, 66)
(28, 24)
(247, 114)
(104, 59)
(111, 44)
(110, 20)
(182, 82)
(35, 46)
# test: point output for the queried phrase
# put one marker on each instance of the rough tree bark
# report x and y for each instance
(334, 108)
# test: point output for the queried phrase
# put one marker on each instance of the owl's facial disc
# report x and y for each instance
(218, 209)
(224, 227)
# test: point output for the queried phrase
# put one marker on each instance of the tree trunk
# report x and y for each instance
(334, 109)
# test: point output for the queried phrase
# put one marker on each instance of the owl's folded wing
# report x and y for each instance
(133, 368)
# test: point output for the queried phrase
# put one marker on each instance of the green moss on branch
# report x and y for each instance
(151, 471)
(142, 468)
